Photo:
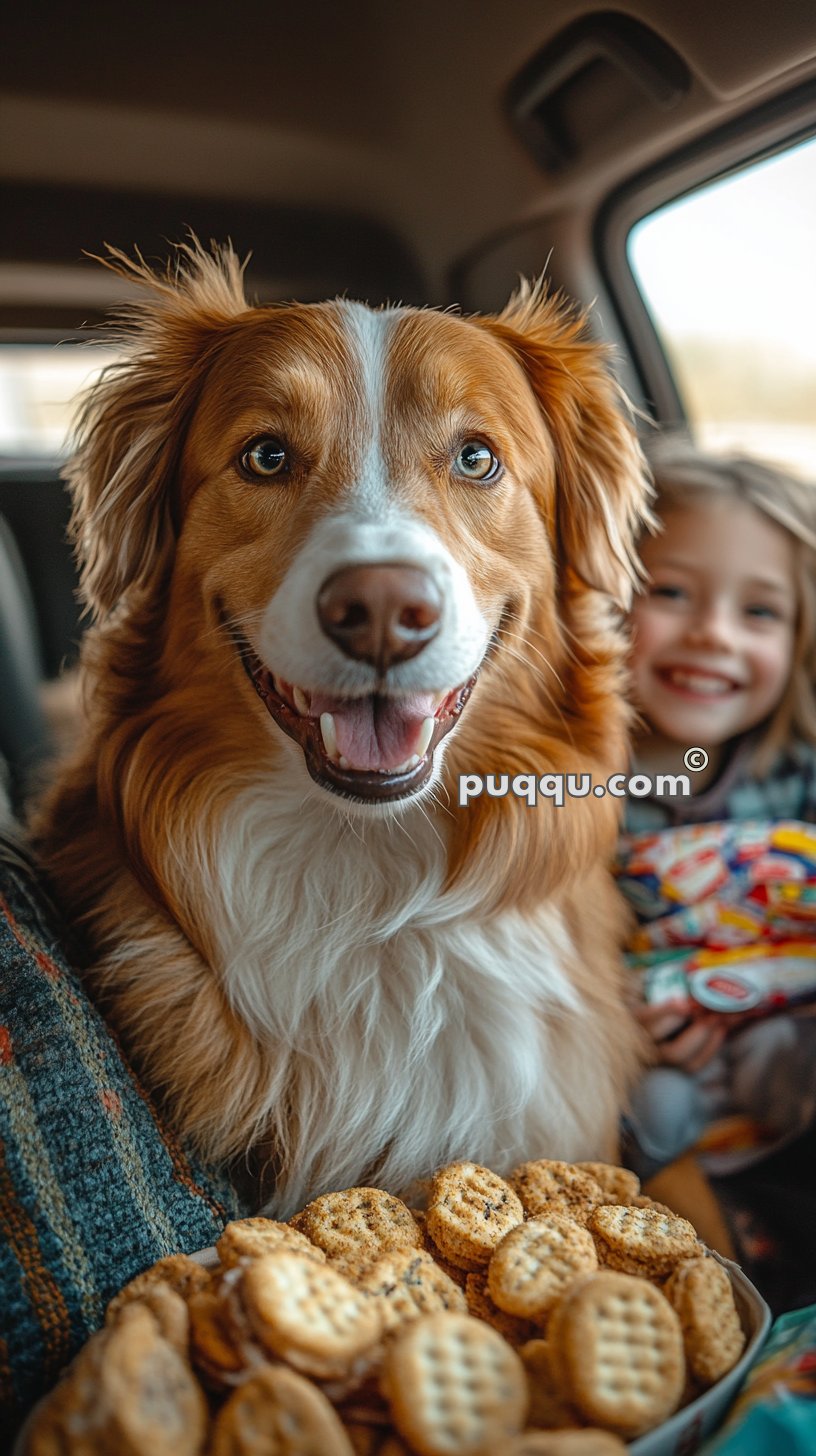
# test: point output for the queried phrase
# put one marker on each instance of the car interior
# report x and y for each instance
(425, 153)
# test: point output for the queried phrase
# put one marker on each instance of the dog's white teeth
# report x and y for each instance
(425, 736)
(329, 735)
(343, 761)
(409, 763)
(302, 702)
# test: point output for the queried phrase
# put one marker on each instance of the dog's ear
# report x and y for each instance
(603, 491)
(133, 423)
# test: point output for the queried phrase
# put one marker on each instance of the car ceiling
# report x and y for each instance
(367, 129)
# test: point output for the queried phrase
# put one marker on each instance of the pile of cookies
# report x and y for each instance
(557, 1313)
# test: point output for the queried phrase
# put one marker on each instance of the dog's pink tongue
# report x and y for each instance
(375, 733)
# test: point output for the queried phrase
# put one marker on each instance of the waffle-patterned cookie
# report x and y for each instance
(147, 1394)
(549, 1186)
(408, 1283)
(278, 1413)
(617, 1351)
(642, 1200)
(453, 1271)
(217, 1348)
(642, 1240)
(481, 1305)
(178, 1270)
(700, 1291)
(309, 1314)
(72, 1404)
(249, 1238)
(169, 1309)
(358, 1224)
(619, 1185)
(536, 1262)
(455, 1386)
(129, 1391)
(469, 1212)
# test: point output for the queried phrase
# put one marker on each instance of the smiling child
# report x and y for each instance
(723, 659)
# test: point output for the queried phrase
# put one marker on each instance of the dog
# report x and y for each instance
(338, 557)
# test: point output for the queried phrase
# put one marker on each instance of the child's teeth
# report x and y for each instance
(700, 682)
(329, 735)
(425, 736)
(301, 702)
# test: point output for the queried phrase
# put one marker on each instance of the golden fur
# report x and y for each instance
(170, 835)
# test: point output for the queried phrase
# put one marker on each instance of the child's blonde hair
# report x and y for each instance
(681, 475)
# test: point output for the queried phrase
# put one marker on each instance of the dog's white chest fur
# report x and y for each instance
(392, 1015)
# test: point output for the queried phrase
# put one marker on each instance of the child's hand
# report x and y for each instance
(685, 1036)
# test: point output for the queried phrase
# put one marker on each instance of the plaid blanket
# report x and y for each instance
(94, 1186)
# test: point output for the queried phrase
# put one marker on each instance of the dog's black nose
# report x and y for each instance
(380, 614)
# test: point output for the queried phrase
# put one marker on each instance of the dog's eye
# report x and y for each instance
(265, 457)
(476, 461)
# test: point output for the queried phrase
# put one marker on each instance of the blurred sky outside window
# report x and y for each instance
(728, 274)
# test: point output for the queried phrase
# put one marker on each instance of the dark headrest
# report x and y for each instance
(23, 732)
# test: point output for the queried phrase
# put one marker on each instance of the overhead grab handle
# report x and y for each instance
(589, 79)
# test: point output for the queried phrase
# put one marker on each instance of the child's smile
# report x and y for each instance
(697, 682)
(713, 633)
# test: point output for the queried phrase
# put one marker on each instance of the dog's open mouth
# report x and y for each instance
(370, 748)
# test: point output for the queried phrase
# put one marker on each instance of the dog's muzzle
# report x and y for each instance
(377, 747)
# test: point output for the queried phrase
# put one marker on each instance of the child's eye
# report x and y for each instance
(668, 593)
(762, 612)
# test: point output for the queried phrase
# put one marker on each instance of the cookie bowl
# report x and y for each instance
(498, 1309)
(684, 1432)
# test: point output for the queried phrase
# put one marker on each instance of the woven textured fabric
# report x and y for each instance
(94, 1186)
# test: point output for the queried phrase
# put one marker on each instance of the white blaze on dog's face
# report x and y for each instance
(366, 496)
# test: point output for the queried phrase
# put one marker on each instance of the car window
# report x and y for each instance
(40, 387)
(727, 273)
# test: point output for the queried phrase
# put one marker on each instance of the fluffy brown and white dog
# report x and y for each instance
(338, 556)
